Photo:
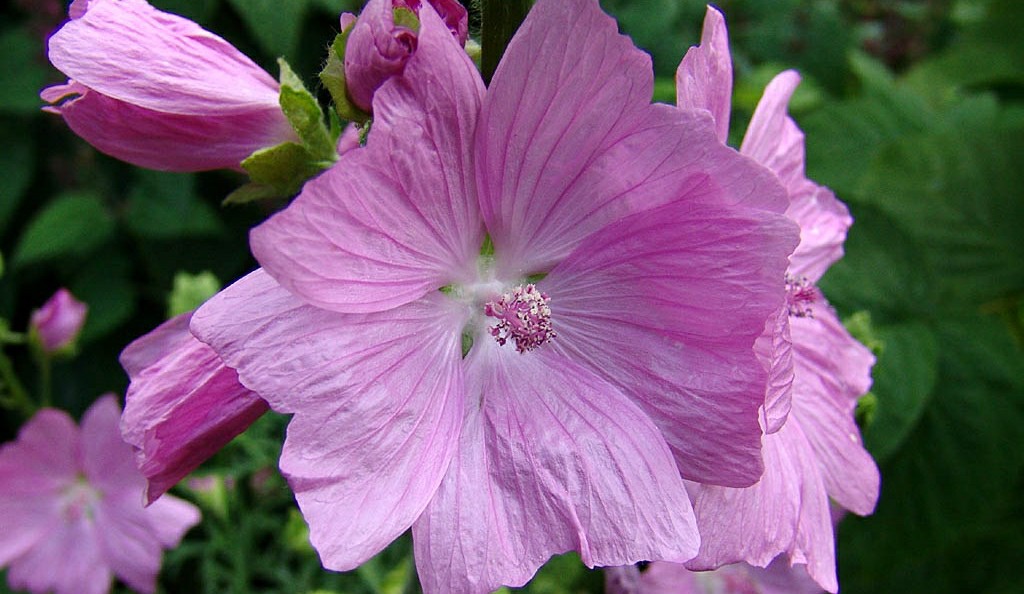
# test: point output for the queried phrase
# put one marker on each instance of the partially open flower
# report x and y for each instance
(383, 38)
(158, 91)
(56, 324)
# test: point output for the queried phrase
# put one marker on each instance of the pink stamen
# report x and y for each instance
(524, 316)
(801, 294)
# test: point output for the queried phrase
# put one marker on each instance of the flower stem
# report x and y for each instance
(501, 19)
(12, 394)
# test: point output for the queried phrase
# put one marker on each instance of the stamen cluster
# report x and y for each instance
(524, 315)
(801, 294)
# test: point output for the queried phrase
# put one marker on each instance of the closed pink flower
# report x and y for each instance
(158, 91)
(182, 405)
(517, 316)
(378, 47)
(812, 447)
(71, 514)
(58, 322)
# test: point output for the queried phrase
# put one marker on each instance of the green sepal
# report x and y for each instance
(303, 112)
(277, 172)
(403, 17)
(190, 291)
(333, 79)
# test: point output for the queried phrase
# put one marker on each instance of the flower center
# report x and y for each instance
(801, 294)
(78, 500)
(524, 316)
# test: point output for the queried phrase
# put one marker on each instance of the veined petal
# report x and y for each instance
(787, 511)
(125, 540)
(772, 138)
(377, 401)
(704, 77)
(552, 459)
(568, 140)
(132, 52)
(72, 547)
(162, 140)
(398, 218)
(667, 304)
(832, 370)
(775, 350)
(823, 221)
(106, 459)
(183, 404)
(46, 455)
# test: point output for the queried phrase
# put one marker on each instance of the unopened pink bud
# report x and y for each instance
(58, 322)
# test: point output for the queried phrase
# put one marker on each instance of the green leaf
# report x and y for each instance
(276, 172)
(304, 114)
(16, 166)
(197, 10)
(883, 271)
(957, 474)
(333, 79)
(957, 191)
(190, 291)
(904, 376)
(276, 24)
(73, 225)
(105, 283)
(166, 206)
(24, 74)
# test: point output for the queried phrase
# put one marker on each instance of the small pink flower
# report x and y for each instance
(58, 322)
(158, 91)
(672, 578)
(182, 405)
(71, 514)
(635, 260)
(378, 47)
(812, 447)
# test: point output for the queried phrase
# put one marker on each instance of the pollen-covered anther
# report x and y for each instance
(524, 316)
(801, 294)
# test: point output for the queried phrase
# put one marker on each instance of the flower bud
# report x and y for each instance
(383, 38)
(158, 91)
(56, 325)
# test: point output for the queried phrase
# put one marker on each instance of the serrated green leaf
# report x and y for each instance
(275, 23)
(957, 191)
(24, 73)
(166, 206)
(282, 168)
(16, 167)
(73, 225)
(304, 114)
(904, 377)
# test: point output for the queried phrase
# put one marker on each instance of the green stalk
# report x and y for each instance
(17, 398)
(501, 19)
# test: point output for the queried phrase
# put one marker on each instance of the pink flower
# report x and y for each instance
(158, 91)
(378, 47)
(59, 321)
(812, 450)
(672, 578)
(635, 260)
(182, 405)
(71, 514)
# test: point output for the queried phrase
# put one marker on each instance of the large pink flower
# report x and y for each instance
(812, 450)
(183, 404)
(158, 91)
(71, 514)
(662, 577)
(544, 393)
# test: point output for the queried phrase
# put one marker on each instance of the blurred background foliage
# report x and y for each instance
(914, 115)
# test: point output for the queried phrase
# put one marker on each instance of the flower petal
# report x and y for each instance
(183, 404)
(132, 52)
(126, 541)
(667, 304)
(772, 138)
(106, 458)
(170, 518)
(377, 401)
(787, 511)
(67, 561)
(568, 140)
(704, 77)
(775, 350)
(552, 459)
(398, 218)
(832, 370)
(823, 221)
(166, 141)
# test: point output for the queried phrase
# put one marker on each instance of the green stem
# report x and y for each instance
(18, 398)
(501, 19)
(45, 379)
